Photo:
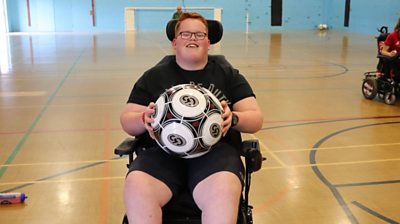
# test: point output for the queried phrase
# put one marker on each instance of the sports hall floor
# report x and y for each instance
(333, 156)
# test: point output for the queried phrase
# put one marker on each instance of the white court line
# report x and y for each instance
(263, 148)
(283, 166)
(61, 181)
(267, 150)
(331, 164)
(64, 163)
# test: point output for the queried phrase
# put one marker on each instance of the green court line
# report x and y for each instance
(18, 147)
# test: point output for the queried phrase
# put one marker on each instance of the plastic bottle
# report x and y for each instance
(12, 198)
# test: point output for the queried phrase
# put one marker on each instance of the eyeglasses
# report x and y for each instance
(186, 35)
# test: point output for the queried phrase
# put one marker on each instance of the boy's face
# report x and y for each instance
(191, 49)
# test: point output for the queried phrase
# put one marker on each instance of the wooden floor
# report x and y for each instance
(333, 156)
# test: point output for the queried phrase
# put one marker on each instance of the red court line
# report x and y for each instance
(272, 201)
(330, 119)
(265, 122)
(279, 195)
(59, 130)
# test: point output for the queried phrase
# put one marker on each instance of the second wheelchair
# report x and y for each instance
(382, 82)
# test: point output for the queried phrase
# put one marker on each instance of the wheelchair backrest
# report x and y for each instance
(381, 38)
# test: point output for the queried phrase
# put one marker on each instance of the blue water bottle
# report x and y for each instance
(12, 198)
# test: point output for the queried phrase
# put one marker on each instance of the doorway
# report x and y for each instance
(3, 17)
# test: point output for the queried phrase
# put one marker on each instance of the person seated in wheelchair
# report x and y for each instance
(391, 50)
(214, 179)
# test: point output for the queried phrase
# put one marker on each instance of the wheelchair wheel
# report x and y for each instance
(390, 98)
(249, 215)
(369, 88)
(242, 218)
(125, 220)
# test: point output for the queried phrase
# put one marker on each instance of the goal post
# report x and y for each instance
(129, 13)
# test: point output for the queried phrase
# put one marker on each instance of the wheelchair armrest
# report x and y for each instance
(127, 147)
(383, 56)
(251, 152)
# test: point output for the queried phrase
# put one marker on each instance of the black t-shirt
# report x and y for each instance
(222, 80)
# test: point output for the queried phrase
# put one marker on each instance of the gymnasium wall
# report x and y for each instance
(254, 15)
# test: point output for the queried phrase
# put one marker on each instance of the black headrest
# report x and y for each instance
(215, 30)
(383, 33)
(383, 29)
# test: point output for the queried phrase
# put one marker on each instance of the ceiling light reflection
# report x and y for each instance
(5, 54)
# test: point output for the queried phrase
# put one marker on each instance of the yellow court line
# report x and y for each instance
(336, 147)
(263, 168)
(331, 164)
(59, 105)
(267, 150)
(22, 93)
(61, 181)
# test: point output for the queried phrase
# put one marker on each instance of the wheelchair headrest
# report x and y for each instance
(215, 30)
(383, 30)
(383, 33)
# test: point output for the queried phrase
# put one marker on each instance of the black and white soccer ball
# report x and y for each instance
(187, 120)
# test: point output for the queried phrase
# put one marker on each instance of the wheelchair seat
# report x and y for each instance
(182, 208)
